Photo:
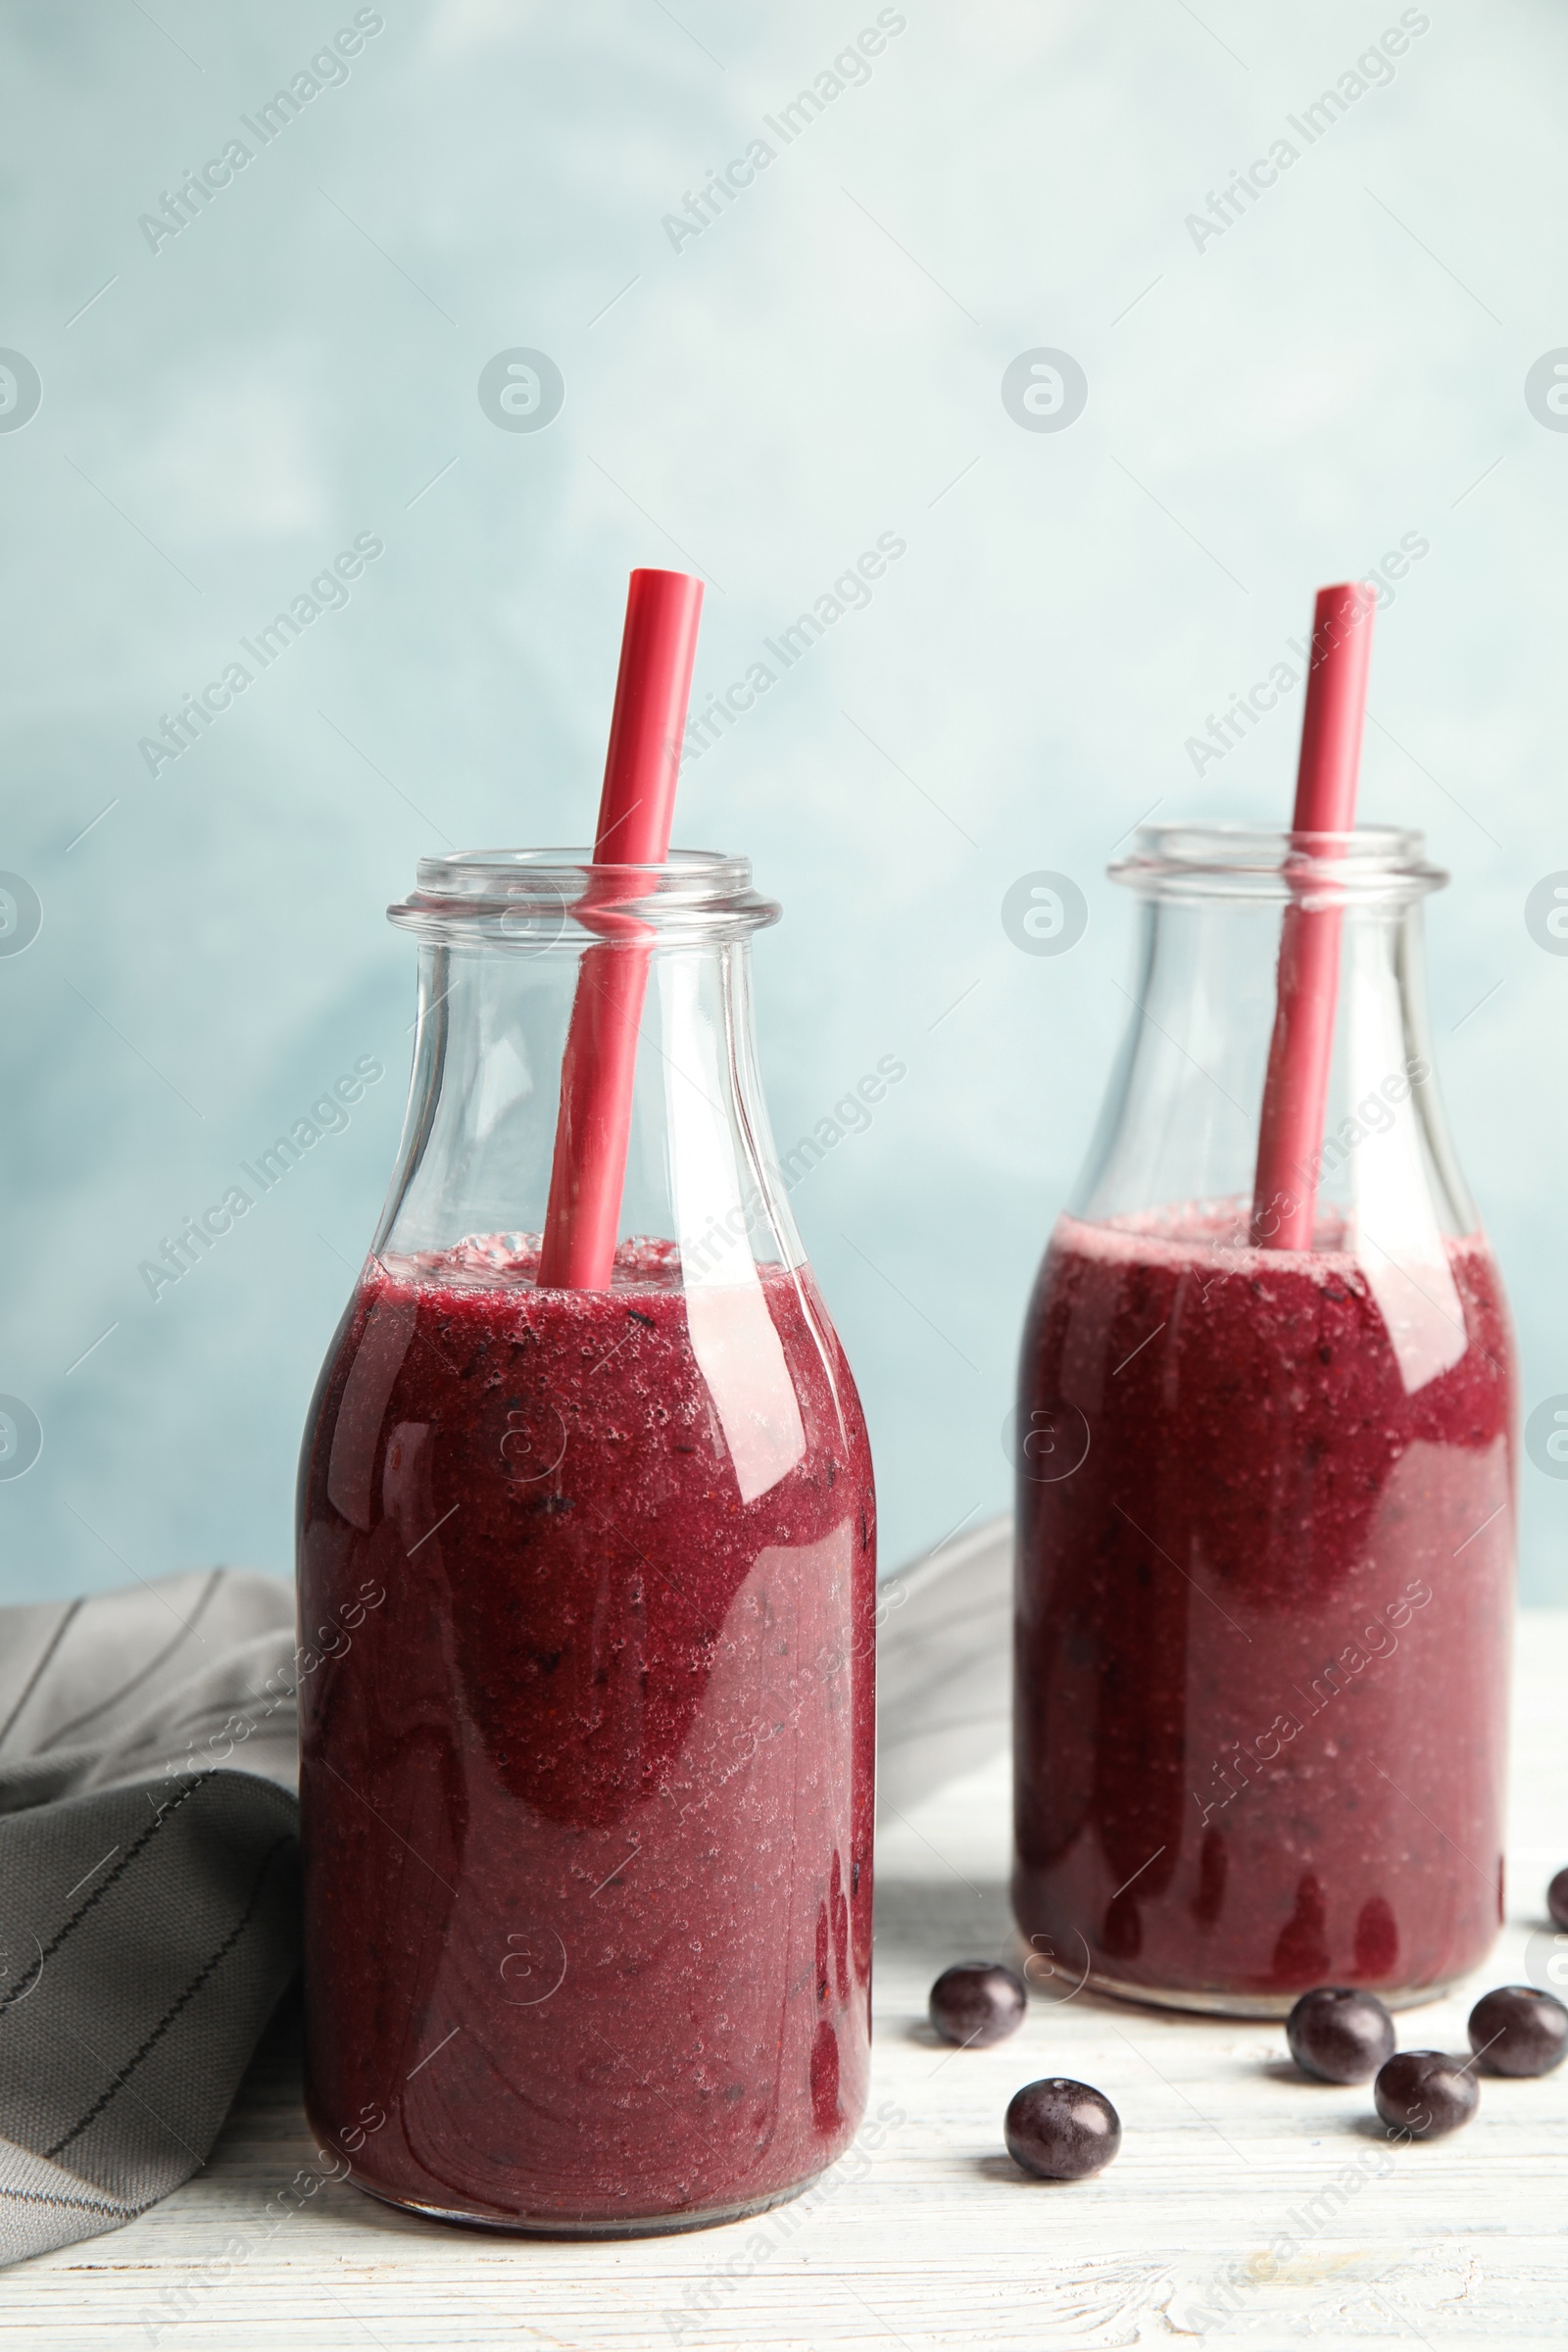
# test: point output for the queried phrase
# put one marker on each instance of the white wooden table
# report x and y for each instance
(931, 2239)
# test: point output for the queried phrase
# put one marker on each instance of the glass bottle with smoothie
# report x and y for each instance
(1265, 1495)
(587, 1748)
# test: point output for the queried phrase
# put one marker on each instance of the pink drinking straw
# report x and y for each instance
(1291, 1131)
(635, 811)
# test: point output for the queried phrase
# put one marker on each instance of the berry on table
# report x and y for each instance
(1340, 2036)
(1426, 2093)
(976, 2002)
(1060, 2130)
(1517, 2029)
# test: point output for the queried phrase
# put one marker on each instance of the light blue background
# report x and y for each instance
(1343, 366)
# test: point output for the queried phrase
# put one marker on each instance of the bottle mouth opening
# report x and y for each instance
(535, 898)
(1383, 864)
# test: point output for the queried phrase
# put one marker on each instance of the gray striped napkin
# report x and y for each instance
(148, 1887)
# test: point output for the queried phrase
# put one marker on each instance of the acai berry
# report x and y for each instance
(1340, 2036)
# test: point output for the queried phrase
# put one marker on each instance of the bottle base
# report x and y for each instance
(1259, 2006)
(658, 2225)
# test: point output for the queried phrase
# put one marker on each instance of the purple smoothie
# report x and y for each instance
(587, 1803)
(1262, 1622)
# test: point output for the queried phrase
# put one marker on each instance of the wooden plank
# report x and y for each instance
(929, 2238)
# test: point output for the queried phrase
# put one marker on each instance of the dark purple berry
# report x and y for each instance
(977, 2002)
(1061, 2130)
(1340, 2036)
(1425, 2093)
(1518, 2031)
(1557, 1899)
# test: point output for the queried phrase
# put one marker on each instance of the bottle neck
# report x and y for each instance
(700, 1172)
(1180, 1124)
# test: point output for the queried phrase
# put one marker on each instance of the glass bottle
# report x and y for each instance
(1266, 1497)
(587, 1593)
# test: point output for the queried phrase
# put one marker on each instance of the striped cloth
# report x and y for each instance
(149, 1858)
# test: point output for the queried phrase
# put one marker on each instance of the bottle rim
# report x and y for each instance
(1373, 864)
(535, 898)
